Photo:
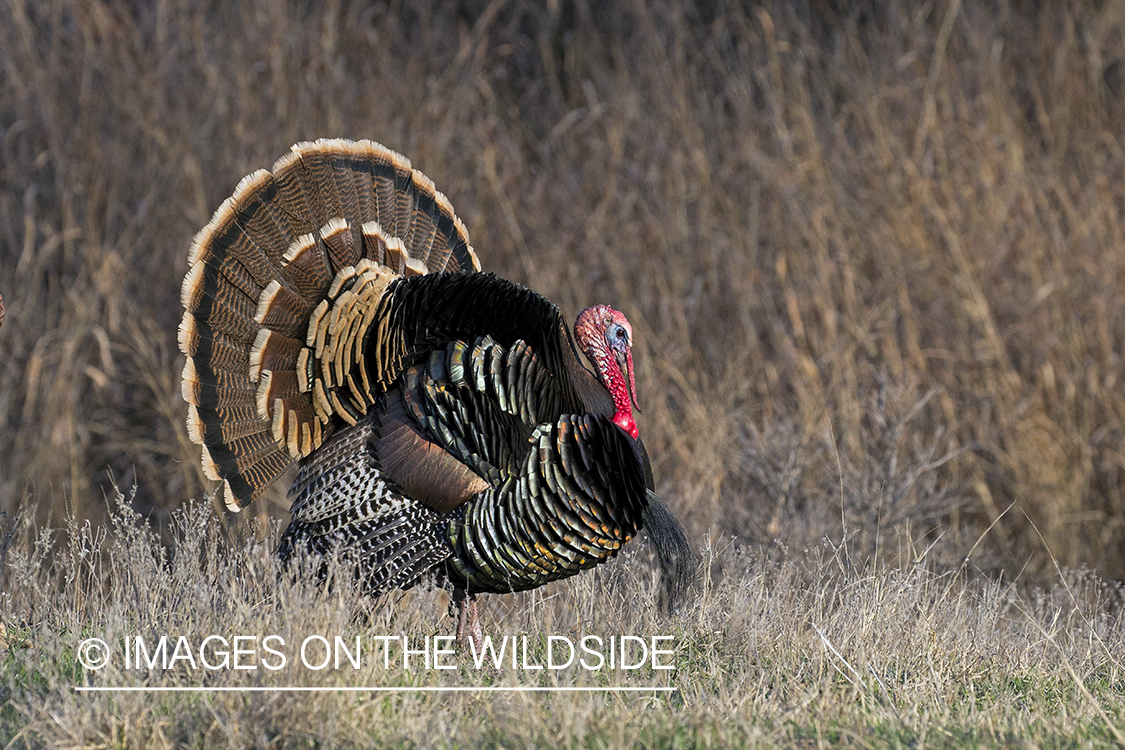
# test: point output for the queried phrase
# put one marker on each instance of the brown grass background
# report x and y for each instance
(872, 252)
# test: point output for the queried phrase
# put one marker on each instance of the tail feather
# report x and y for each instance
(349, 191)
(211, 389)
(423, 228)
(206, 430)
(269, 276)
(374, 242)
(364, 206)
(383, 179)
(298, 195)
(282, 311)
(202, 291)
(225, 431)
(338, 240)
(406, 197)
(307, 266)
(226, 242)
(250, 473)
(262, 221)
(272, 351)
(223, 351)
(274, 385)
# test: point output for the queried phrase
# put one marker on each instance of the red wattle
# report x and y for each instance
(625, 421)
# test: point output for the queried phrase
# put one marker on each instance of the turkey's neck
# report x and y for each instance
(614, 381)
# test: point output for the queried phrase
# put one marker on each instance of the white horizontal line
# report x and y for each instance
(295, 689)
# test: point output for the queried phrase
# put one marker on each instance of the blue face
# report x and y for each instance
(616, 336)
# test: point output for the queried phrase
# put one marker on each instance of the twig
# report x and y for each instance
(828, 645)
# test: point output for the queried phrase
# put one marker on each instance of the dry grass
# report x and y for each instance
(777, 651)
(872, 258)
(880, 244)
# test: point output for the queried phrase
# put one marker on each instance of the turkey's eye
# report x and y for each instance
(620, 333)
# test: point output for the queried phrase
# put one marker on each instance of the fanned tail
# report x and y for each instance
(282, 284)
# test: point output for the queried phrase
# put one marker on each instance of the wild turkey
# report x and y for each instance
(336, 315)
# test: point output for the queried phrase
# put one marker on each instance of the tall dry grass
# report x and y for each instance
(872, 255)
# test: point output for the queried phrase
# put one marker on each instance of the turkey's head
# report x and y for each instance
(606, 338)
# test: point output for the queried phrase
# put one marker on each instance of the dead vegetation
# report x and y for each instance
(814, 216)
(871, 252)
(778, 650)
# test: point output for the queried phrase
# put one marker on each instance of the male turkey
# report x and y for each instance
(445, 427)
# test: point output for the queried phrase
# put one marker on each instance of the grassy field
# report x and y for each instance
(778, 651)
(872, 257)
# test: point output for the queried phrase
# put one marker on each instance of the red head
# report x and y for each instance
(606, 338)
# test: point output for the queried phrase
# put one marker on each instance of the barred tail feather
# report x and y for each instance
(259, 271)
